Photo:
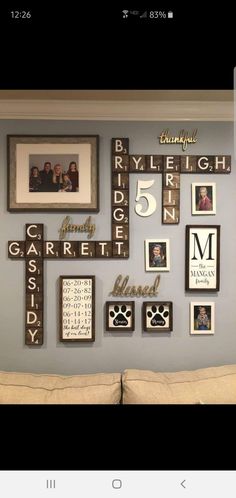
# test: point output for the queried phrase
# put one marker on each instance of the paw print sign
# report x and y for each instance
(157, 316)
(120, 316)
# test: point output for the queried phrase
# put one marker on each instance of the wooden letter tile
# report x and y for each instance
(52, 249)
(120, 197)
(120, 180)
(103, 249)
(34, 267)
(154, 164)
(120, 163)
(171, 197)
(120, 145)
(34, 284)
(33, 249)
(34, 231)
(69, 249)
(34, 301)
(120, 215)
(188, 164)
(137, 163)
(120, 232)
(16, 249)
(120, 249)
(34, 336)
(170, 215)
(222, 164)
(171, 164)
(205, 164)
(87, 249)
(34, 318)
(171, 180)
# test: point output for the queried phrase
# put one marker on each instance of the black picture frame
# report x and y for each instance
(157, 316)
(202, 274)
(120, 316)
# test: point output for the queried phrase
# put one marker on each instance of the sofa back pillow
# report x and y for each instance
(28, 388)
(207, 385)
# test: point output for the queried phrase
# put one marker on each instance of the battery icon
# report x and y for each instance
(170, 14)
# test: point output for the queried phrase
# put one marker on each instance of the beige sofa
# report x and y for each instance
(215, 385)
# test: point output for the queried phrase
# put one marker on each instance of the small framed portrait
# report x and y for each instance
(120, 316)
(202, 318)
(53, 173)
(204, 198)
(157, 254)
(157, 316)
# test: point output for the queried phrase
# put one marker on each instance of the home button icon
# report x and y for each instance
(116, 483)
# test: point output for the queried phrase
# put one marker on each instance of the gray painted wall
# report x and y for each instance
(115, 352)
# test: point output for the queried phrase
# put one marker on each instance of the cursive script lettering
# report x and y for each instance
(184, 138)
(120, 288)
(67, 226)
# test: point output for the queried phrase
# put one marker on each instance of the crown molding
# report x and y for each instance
(117, 110)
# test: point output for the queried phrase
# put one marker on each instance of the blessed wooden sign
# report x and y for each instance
(122, 290)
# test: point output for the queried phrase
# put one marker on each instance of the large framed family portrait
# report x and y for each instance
(53, 173)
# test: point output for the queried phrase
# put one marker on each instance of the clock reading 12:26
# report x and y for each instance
(21, 14)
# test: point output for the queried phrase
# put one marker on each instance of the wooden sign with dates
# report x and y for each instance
(34, 249)
(77, 308)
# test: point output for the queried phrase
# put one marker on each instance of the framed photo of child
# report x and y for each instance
(52, 173)
(202, 318)
(204, 198)
(157, 254)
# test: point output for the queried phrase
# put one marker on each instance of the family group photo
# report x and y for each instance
(54, 173)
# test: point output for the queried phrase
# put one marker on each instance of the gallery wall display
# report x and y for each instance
(53, 173)
(120, 316)
(202, 318)
(157, 316)
(77, 308)
(33, 165)
(202, 262)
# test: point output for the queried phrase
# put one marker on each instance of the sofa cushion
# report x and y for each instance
(205, 386)
(27, 388)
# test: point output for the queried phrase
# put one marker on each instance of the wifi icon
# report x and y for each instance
(125, 14)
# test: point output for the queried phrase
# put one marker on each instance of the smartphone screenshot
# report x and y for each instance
(117, 253)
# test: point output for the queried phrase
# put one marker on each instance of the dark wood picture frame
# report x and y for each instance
(158, 312)
(202, 274)
(28, 152)
(80, 320)
(117, 310)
